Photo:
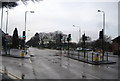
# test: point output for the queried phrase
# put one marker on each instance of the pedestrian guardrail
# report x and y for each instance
(90, 57)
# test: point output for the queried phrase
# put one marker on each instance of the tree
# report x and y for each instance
(43, 38)
(107, 38)
(50, 40)
(9, 4)
(57, 36)
(97, 44)
(87, 41)
(34, 41)
(14, 4)
(15, 40)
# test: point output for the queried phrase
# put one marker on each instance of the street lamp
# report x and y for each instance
(1, 15)
(26, 19)
(28, 33)
(7, 21)
(79, 32)
(103, 21)
(103, 32)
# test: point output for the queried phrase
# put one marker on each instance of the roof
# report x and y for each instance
(117, 39)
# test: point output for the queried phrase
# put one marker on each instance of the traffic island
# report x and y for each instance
(92, 62)
(94, 58)
(16, 53)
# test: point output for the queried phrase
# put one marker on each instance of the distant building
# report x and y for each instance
(116, 45)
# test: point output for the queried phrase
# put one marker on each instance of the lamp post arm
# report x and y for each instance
(7, 21)
(25, 21)
(2, 16)
(103, 22)
(79, 34)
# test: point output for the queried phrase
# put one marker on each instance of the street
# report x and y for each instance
(47, 65)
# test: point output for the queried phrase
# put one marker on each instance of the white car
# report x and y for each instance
(79, 49)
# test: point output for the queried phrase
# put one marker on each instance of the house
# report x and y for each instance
(116, 45)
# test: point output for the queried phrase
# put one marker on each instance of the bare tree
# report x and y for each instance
(11, 4)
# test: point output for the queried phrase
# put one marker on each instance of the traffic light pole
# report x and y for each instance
(1, 16)
(83, 39)
(84, 48)
(103, 33)
(101, 37)
(68, 39)
(103, 47)
(24, 48)
(25, 21)
(68, 49)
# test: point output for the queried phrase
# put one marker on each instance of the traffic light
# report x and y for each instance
(61, 37)
(69, 37)
(84, 38)
(24, 37)
(101, 34)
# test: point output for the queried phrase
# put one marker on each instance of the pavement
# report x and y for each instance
(92, 62)
(16, 53)
(46, 65)
(8, 76)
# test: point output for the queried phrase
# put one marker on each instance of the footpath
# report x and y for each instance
(16, 53)
(89, 57)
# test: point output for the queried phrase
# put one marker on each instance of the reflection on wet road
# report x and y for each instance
(47, 65)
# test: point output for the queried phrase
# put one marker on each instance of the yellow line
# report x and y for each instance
(11, 75)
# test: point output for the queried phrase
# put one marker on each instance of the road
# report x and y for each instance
(46, 65)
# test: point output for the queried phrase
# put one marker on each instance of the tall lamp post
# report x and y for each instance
(26, 18)
(7, 21)
(79, 32)
(103, 31)
(27, 33)
(1, 15)
(103, 21)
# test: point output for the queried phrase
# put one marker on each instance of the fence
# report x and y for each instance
(87, 56)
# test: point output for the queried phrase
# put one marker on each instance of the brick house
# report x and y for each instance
(116, 46)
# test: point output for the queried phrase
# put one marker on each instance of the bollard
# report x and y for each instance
(87, 56)
(78, 55)
(92, 57)
(83, 74)
(22, 76)
(22, 54)
(64, 51)
(101, 56)
(5, 70)
(107, 56)
(72, 53)
(96, 58)
(84, 77)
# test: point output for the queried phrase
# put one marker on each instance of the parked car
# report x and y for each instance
(88, 49)
(82, 49)
(79, 49)
(27, 46)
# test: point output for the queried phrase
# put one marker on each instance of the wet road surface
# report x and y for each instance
(45, 65)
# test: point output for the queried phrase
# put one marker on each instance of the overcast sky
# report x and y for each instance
(53, 15)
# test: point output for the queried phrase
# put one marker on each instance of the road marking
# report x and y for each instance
(11, 75)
